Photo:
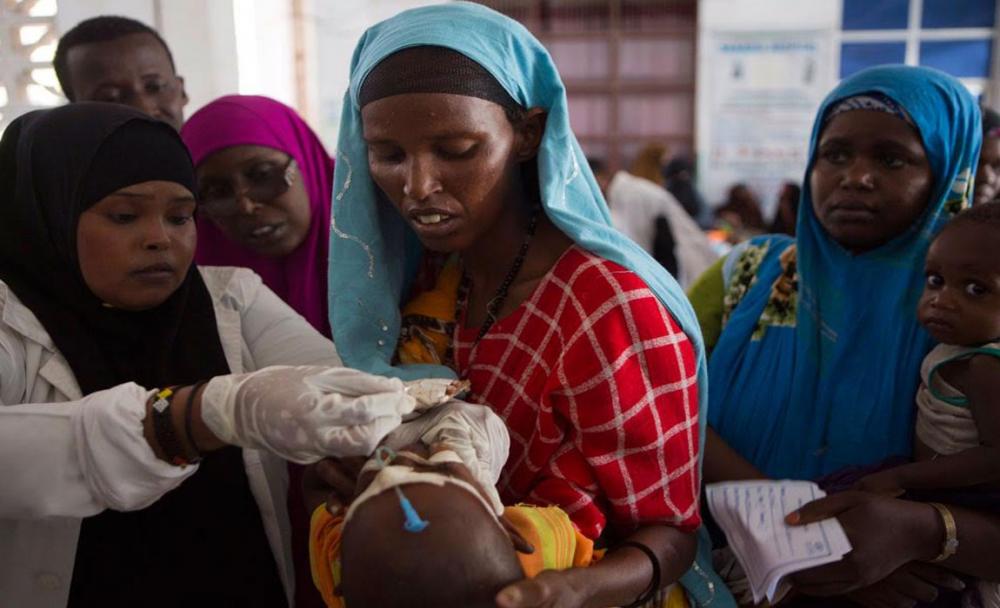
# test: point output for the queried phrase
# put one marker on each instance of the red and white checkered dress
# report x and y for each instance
(598, 386)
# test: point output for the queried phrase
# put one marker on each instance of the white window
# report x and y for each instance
(27, 79)
(955, 36)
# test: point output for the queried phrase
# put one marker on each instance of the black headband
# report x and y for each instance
(138, 151)
(433, 69)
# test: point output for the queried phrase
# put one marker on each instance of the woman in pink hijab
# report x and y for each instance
(264, 186)
(264, 190)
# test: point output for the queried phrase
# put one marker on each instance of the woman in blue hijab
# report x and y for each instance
(456, 162)
(818, 361)
(815, 345)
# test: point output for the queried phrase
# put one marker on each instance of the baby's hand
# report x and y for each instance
(886, 483)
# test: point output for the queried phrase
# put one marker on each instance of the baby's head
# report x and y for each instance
(462, 559)
(961, 300)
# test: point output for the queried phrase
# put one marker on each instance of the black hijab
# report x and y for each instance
(434, 69)
(54, 165)
(678, 178)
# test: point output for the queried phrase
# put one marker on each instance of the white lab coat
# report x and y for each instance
(64, 456)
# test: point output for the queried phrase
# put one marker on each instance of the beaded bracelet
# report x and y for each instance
(163, 428)
(654, 584)
(187, 420)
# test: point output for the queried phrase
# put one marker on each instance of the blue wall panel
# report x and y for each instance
(856, 56)
(876, 14)
(958, 13)
(962, 58)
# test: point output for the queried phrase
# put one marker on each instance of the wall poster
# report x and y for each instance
(763, 91)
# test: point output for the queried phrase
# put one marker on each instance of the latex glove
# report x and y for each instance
(432, 392)
(476, 434)
(305, 413)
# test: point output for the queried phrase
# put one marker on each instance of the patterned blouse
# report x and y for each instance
(597, 384)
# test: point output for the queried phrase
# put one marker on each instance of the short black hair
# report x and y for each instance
(984, 214)
(677, 165)
(98, 29)
(462, 560)
(991, 120)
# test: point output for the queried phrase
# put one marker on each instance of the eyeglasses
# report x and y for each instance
(259, 186)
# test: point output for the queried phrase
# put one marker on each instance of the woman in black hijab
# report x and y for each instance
(100, 308)
(57, 166)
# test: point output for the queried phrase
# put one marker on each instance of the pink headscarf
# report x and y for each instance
(238, 120)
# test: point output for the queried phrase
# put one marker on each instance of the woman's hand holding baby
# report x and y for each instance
(885, 534)
(886, 483)
(305, 413)
(914, 582)
(331, 482)
(550, 589)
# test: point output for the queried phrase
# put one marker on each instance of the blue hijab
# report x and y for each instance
(837, 388)
(373, 251)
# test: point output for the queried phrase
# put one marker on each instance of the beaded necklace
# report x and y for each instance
(496, 302)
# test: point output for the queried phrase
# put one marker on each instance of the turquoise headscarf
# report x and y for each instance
(837, 389)
(373, 251)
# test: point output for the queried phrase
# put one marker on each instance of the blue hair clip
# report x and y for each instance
(414, 523)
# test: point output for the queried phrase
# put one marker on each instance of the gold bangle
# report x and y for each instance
(950, 545)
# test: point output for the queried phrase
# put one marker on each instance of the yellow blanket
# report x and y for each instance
(429, 319)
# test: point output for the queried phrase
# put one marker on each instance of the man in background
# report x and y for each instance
(120, 60)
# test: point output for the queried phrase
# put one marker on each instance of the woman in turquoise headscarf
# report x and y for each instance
(461, 192)
(815, 346)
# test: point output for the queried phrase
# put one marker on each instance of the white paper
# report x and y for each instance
(752, 514)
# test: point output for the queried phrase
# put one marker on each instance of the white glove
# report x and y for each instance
(305, 413)
(477, 435)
